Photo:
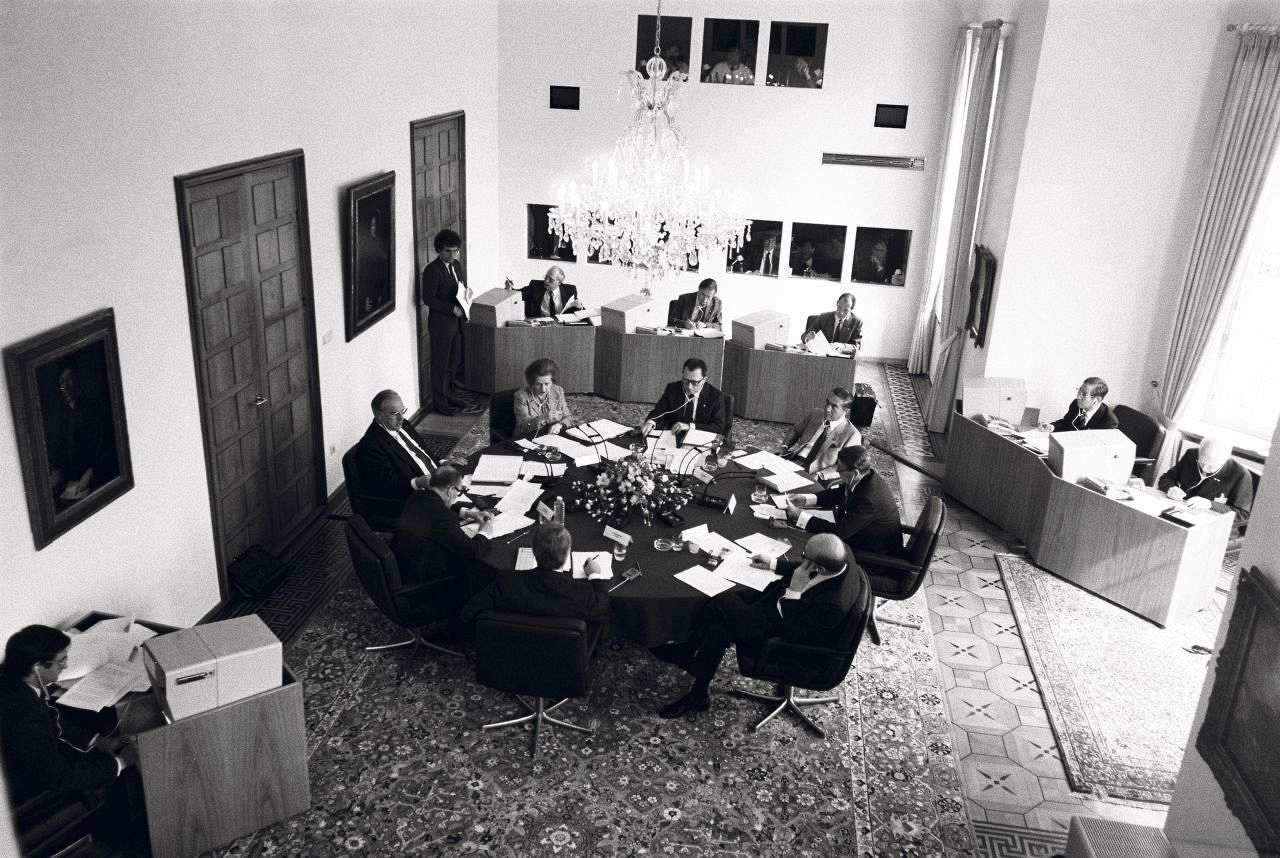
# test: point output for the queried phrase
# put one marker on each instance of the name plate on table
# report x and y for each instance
(495, 308)
(617, 535)
(626, 313)
(763, 326)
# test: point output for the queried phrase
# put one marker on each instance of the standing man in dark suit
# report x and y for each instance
(550, 590)
(842, 326)
(1087, 410)
(449, 300)
(808, 606)
(392, 457)
(549, 296)
(699, 309)
(866, 513)
(690, 402)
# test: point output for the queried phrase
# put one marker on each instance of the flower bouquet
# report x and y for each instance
(632, 483)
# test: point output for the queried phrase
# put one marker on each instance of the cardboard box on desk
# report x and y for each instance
(626, 313)
(203, 667)
(763, 326)
(495, 308)
(1005, 398)
(1105, 454)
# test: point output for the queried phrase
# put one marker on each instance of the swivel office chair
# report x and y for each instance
(897, 579)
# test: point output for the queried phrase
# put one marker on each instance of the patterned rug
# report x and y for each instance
(1121, 692)
(399, 764)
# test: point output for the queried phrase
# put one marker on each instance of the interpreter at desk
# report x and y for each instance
(1087, 410)
(1208, 475)
(550, 296)
(701, 309)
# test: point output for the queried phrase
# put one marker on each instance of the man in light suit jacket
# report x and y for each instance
(817, 439)
(838, 327)
(690, 402)
(392, 457)
(699, 309)
(447, 298)
(1087, 410)
(549, 296)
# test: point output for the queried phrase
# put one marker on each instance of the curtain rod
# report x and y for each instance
(1268, 29)
(984, 25)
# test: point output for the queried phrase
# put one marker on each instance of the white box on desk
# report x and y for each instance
(197, 669)
(1005, 398)
(495, 308)
(763, 326)
(1105, 454)
(626, 313)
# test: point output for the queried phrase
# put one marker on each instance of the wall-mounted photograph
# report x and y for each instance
(68, 413)
(729, 51)
(673, 42)
(371, 258)
(880, 256)
(817, 250)
(543, 244)
(760, 254)
(797, 54)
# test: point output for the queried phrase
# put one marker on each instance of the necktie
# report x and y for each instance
(766, 262)
(817, 444)
(424, 461)
(696, 315)
(841, 328)
(1079, 420)
(692, 408)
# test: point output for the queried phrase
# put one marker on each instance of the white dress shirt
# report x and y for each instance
(416, 453)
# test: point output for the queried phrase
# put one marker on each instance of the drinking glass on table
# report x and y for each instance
(759, 493)
(619, 551)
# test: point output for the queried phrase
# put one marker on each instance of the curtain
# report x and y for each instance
(1248, 127)
(956, 215)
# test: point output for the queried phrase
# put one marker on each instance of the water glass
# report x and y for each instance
(759, 493)
(619, 551)
(662, 544)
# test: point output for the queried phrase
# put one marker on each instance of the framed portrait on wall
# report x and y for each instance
(674, 42)
(543, 244)
(797, 55)
(760, 254)
(371, 253)
(729, 51)
(68, 415)
(817, 250)
(880, 256)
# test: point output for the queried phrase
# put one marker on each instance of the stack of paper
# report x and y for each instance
(581, 454)
(787, 482)
(104, 642)
(769, 462)
(602, 428)
(531, 469)
(497, 469)
(806, 514)
(519, 497)
(758, 543)
(106, 686)
(698, 437)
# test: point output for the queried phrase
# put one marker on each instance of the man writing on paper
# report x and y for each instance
(866, 515)
(688, 403)
(817, 439)
(1208, 474)
(550, 296)
(1087, 410)
(701, 309)
(548, 590)
(809, 606)
(840, 327)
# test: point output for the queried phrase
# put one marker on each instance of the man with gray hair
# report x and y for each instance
(1206, 475)
(1087, 410)
(549, 296)
(392, 457)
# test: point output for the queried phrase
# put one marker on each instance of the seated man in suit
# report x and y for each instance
(699, 309)
(866, 513)
(839, 327)
(687, 403)
(37, 755)
(550, 590)
(391, 456)
(808, 606)
(1207, 475)
(817, 439)
(1087, 410)
(430, 544)
(549, 296)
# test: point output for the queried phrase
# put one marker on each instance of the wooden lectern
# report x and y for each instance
(625, 313)
(495, 308)
(763, 326)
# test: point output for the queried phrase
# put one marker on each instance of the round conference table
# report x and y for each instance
(656, 607)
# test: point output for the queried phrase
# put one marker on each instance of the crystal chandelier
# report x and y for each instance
(647, 207)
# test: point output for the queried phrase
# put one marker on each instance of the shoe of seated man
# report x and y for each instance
(690, 702)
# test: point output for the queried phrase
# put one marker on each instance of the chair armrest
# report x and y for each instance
(1142, 460)
(562, 623)
(776, 647)
(884, 561)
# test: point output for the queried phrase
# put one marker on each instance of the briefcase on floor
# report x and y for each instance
(863, 409)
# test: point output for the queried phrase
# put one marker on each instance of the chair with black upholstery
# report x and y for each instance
(410, 607)
(814, 668)
(546, 658)
(811, 322)
(673, 310)
(1147, 436)
(897, 579)
(726, 425)
(54, 824)
(502, 416)
(379, 513)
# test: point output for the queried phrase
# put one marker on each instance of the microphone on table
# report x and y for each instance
(715, 501)
(592, 434)
(679, 407)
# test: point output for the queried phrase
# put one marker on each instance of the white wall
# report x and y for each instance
(763, 142)
(104, 105)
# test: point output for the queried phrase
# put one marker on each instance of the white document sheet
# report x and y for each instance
(112, 640)
(1152, 502)
(604, 559)
(819, 344)
(504, 523)
(780, 501)
(497, 469)
(705, 580)
(542, 469)
(770, 462)
(693, 534)
(805, 514)
(709, 333)
(526, 444)
(758, 543)
(665, 440)
(787, 482)
(525, 559)
(763, 510)
(604, 428)
(102, 688)
(568, 446)
(612, 451)
(519, 497)
(698, 437)
(742, 572)
(715, 543)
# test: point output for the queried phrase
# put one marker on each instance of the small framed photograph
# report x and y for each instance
(729, 51)
(760, 254)
(880, 256)
(817, 250)
(68, 414)
(371, 258)
(543, 244)
(797, 55)
(675, 38)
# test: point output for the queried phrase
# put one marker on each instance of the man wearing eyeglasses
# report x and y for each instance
(817, 439)
(809, 605)
(866, 515)
(392, 457)
(691, 402)
(1087, 410)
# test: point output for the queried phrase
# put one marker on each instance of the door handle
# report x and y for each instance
(259, 401)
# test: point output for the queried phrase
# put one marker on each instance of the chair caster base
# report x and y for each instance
(414, 641)
(787, 703)
(538, 715)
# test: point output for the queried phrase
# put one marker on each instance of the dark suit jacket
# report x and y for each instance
(1232, 481)
(866, 516)
(826, 322)
(1101, 419)
(816, 617)
(440, 294)
(385, 467)
(537, 290)
(429, 543)
(684, 309)
(34, 758)
(542, 593)
(710, 416)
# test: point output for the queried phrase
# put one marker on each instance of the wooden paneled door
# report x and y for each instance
(438, 148)
(248, 267)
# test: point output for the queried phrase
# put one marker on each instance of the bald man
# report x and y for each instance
(549, 296)
(808, 606)
(1207, 474)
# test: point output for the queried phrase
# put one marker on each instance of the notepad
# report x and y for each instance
(786, 482)
(604, 559)
(698, 437)
(758, 543)
(519, 497)
(497, 469)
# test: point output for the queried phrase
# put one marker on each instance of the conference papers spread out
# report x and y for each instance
(103, 664)
(604, 559)
(519, 497)
(503, 524)
(758, 543)
(786, 482)
(542, 469)
(497, 469)
(602, 428)
(705, 580)
(698, 437)
(768, 461)
(106, 686)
